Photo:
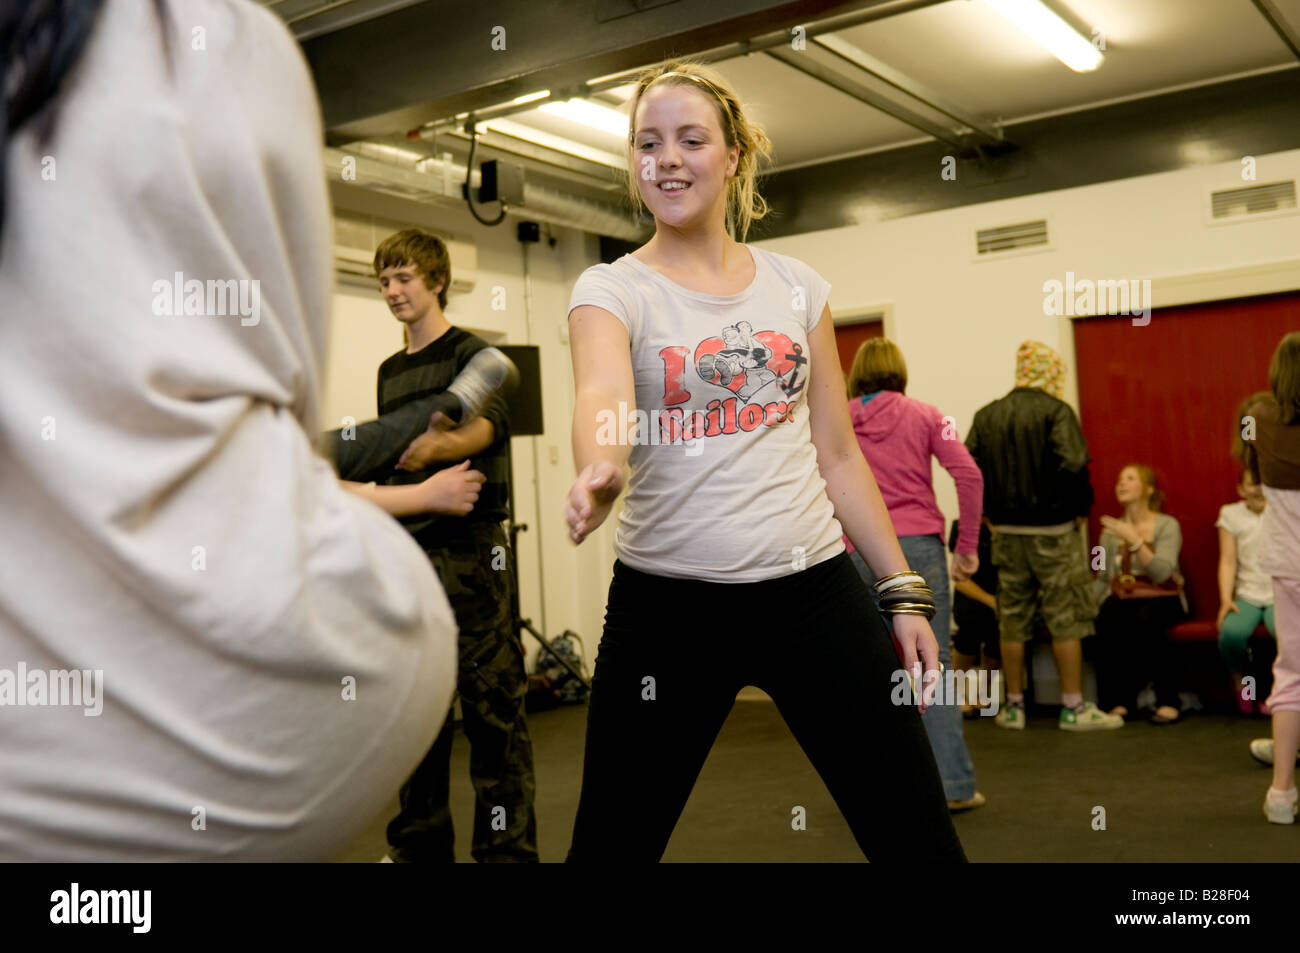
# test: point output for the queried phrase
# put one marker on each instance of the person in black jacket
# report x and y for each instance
(1037, 495)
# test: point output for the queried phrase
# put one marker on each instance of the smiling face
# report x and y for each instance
(405, 293)
(680, 157)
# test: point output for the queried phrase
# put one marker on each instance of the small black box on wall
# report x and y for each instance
(525, 404)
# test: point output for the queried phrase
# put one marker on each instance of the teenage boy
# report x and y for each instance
(469, 553)
(1037, 494)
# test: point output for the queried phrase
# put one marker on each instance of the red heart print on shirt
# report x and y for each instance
(745, 362)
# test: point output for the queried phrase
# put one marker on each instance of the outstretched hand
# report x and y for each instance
(590, 498)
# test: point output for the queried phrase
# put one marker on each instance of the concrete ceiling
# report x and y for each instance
(962, 51)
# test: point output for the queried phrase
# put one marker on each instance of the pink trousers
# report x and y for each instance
(1280, 558)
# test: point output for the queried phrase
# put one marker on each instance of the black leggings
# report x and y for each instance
(812, 640)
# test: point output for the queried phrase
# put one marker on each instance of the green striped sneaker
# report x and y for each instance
(1088, 717)
(1010, 716)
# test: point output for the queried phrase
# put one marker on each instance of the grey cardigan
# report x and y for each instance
(1164, 564)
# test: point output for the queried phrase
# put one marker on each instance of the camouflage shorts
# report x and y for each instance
(1047, 574)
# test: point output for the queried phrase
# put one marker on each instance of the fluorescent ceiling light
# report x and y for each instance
(590, 114)
(1050, 31)
(529, 97)
(508, 127)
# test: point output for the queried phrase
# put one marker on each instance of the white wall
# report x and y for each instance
(957, 321)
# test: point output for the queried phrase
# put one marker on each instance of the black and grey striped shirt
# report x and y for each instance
(404, 378)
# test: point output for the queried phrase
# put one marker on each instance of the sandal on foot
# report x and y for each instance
(977, 800)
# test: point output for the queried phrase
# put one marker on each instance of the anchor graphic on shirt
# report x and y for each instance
(791, 385)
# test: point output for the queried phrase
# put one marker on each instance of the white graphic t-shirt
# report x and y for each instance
(724, 483)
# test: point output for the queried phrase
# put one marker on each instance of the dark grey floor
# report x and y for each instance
(1186, 792)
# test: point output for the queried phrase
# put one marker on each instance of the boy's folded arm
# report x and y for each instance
(371, 449)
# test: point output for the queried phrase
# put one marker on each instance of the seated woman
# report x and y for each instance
(1141, 559)
(1245, 592)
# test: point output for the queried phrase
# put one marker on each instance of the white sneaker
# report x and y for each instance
(1088, 717)
(1010, 716)
(1280, 806)
(1261, 749)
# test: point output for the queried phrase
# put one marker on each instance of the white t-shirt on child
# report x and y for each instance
(1253, 584)
(724, 484)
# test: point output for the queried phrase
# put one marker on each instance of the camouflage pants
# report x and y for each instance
(491, 684)
(1047, 574)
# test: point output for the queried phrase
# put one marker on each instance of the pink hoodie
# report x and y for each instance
(898, 435)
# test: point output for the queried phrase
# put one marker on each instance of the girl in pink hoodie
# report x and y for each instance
(898, 435)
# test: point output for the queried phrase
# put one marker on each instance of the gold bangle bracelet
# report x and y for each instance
(895, 575)
(908, 593)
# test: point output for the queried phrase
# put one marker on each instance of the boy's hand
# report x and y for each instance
(453, 491)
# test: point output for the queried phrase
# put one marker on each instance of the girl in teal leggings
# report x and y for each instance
(1245, 593)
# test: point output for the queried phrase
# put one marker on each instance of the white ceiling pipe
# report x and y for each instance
(394, 171)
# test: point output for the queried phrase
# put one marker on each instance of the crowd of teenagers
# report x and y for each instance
(1024, 494)
(279, 655)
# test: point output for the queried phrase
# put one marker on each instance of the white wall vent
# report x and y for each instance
(1008, 238)
(1252, 200)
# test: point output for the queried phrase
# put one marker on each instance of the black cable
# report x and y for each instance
(469, 172)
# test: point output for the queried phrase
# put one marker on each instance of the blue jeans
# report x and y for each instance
(943, 723)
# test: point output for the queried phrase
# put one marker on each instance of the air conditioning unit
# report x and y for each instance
(357, 237)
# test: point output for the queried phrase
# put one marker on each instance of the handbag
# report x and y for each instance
(1127, 585)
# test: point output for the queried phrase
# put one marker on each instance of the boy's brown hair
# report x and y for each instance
(424, 252)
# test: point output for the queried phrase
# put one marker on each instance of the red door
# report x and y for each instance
(1165, 394)
(849, 337)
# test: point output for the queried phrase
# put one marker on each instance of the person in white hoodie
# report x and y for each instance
(208, 649)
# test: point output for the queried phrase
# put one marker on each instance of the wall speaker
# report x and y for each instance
(525, 404)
